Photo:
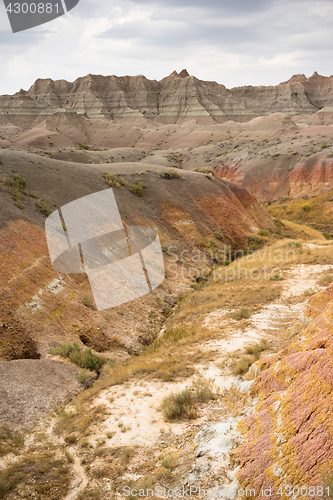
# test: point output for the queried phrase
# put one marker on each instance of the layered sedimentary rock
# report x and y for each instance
(43, 307)
(289, 439)
(272, 179)
(172, 99)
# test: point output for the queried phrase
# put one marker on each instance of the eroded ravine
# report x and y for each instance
(136, 404)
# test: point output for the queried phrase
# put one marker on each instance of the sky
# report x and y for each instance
(238, 42)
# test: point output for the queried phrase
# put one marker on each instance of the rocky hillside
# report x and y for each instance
(41, 307)
(173, 99)
(288, 439)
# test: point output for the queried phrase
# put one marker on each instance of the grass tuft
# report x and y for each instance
(184, 404)
(242, 313)
(84, 358)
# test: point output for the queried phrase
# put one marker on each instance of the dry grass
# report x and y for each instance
(325, 280)
(242, 313)
(184, 404)
(175, 354)
(315, 212)
(252, 354)
(10, 441)
(42, 473)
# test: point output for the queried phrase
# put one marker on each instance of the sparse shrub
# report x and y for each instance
(46, 475)
(17, 184)
(242, 313)
(43, 207)
(252, 354)
(327, 236)
(203, 389)
(110, 179)
(242, 366)
(137, 188)
(255, 243)
(69, 456)
(171, 173)
(169, 462)
(263, 232)
(204, 170)
(164, 472)
(84, 146)
(275, 277)
(183, 404)
(178, 405)
(62, 350)
(72, 439)
(306, 208)
(202, 243)
(218, 235)
(10, 440)
(325, 280)
(327, 477)
(324, 145)
(87, 301)
(84, 358)
(85, 378)
(256, 349)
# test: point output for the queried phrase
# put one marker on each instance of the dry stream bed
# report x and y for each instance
(116, 435)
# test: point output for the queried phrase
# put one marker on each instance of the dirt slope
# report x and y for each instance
(46, 306)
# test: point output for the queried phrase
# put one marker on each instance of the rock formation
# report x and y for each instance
(173, 99)
(288, 439)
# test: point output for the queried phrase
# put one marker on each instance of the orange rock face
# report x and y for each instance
(289, 439)
(311, 178)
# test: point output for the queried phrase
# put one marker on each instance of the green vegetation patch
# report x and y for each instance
(84, 358)
(138, 188)
(114, 180)
(17, 185)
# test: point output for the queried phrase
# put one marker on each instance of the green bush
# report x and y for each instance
(306, 208)
(263, 232)
(43, 207)
(327, 236)
(172, 173)
(112, 180)
(137, 188)
(17, 184)
(84, 358)
(323, 146)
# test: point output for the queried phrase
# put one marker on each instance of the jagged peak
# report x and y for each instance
(183, 74)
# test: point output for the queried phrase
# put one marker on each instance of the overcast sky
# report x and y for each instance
(237, 42)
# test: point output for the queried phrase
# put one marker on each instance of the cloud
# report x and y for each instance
(233, 42)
